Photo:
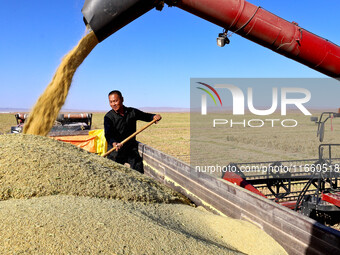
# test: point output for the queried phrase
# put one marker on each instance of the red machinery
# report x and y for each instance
(239, 16)
(311, 186)
(254, 23)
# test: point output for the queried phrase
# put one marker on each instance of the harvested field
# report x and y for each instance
(171, 135)
(82, 203)
(223, 144)
(6, 121)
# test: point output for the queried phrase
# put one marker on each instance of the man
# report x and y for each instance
(121, 122)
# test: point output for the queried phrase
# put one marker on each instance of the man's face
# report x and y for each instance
(116, 102)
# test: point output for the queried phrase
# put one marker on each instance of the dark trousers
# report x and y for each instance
(131, 157)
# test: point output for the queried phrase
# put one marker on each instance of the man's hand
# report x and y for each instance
(157, 117)
(117, 145)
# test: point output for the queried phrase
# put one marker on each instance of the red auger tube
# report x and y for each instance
(268, 30)
(254, 23)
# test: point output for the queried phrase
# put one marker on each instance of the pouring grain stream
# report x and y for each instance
(46, 109)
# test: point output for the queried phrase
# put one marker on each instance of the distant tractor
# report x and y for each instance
(65, 124)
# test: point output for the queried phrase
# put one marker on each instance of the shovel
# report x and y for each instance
(133, 135)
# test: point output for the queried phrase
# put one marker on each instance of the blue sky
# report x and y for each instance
(151, 60)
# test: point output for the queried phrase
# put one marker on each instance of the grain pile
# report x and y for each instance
(81, 203)
(46, 109)
(34, 166)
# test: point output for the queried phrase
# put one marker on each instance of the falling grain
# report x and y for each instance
(47, 107)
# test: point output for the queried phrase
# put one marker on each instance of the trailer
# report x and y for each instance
(297, 233)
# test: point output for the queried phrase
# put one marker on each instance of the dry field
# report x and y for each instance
(6, 121)
(224, 144)
(172, 136)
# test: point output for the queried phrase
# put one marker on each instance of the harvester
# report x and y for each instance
(295, 232)
(310, 186)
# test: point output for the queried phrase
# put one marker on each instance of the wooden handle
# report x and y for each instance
(133, 135)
